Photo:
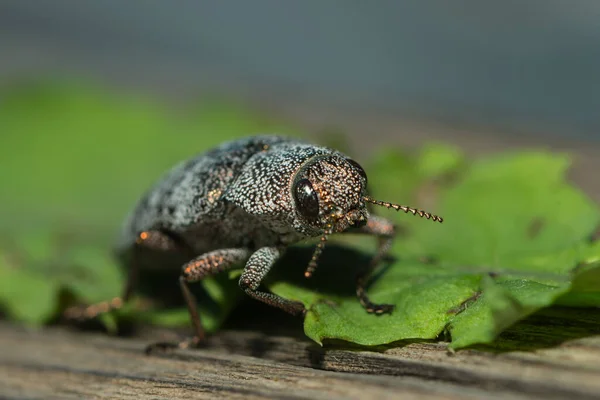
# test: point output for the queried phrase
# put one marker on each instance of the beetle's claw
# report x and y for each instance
(380, 309)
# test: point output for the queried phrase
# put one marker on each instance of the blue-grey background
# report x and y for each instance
(528, 66)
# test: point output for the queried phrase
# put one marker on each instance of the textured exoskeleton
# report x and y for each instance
(245, 202)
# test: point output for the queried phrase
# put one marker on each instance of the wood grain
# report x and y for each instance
(553, 355)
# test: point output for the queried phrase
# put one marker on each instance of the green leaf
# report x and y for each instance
(585, 287)
(512, 217)
(422, 303)
(25, 296)
(500, 306)
(509, 210)
(44, 264)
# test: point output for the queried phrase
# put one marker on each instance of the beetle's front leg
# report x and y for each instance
(385, 232)
(256, 269)
(195, 270)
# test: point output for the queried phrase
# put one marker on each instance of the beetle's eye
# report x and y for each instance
(358, 168)
(306, 199)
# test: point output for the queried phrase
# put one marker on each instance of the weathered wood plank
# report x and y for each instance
(57, 364)
(552, 363)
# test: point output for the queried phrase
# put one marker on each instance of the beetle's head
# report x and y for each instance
(329, 195)
(328, 192)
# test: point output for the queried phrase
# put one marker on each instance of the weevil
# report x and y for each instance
(244, 203)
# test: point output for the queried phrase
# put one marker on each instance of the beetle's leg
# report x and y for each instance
(154, 240)
(195, 270)
(256, 269)
(384, 230)
(201, 267)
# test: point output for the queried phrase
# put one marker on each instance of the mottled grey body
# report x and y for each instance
(238, 195)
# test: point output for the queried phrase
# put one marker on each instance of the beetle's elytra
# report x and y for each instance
(245, 202)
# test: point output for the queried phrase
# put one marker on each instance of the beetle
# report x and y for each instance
(244, 202)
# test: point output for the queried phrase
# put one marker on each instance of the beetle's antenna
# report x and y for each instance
(406, 209)
(312, 265)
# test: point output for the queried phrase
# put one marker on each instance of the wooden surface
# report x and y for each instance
(552, 355)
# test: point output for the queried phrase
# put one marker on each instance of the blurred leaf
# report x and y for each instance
(585, 288)
(75, 158)
(25, 295)
(220, 297)
(76, 155)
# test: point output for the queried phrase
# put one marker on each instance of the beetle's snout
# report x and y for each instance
(357, 218)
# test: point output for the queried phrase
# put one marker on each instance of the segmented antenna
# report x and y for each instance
(406, 209)
(312, 265)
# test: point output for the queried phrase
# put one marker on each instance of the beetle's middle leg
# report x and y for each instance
(384, 230)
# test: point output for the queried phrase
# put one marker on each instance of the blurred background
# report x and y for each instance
(97, 99)
(481, 74)
(519, 66)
